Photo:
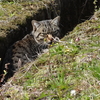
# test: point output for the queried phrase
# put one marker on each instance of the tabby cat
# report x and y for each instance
(26, 50)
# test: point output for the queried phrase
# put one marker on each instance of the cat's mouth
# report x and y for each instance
(51, 39)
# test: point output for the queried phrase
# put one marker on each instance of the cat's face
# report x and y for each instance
(45, 31)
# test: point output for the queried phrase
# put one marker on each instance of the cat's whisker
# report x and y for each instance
(28, 58)
(56, 39)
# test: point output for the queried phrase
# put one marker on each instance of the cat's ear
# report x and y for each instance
(56, 20)
(35, 24)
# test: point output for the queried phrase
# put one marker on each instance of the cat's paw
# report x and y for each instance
(45, 50)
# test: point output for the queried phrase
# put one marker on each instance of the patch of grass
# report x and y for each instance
(70, 70)
(13, 14)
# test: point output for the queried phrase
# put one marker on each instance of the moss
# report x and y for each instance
(13, 14)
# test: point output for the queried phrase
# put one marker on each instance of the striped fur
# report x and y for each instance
(27, 49)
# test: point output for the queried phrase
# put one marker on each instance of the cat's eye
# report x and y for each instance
(43, 30)
(57, 31)
(40, 34)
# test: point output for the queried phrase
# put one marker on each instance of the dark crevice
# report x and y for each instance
(74, 12)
